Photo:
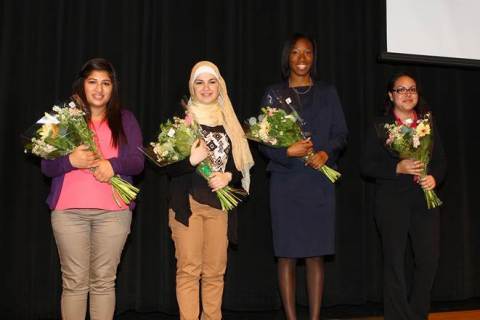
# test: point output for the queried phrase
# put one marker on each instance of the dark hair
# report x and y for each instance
(113, 115)
(421, 106)
(287, 48)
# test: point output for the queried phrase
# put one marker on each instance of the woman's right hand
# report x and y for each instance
(300, 148)
(82, 158)
(409, 166)
(198, 152)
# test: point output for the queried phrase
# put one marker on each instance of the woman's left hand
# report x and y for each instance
(218, 180)
(103, 170)
(427, 182)
(317, 160)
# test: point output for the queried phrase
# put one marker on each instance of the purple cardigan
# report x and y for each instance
(128, 163)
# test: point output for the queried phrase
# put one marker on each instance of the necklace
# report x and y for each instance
(305, 91)
(302, 92)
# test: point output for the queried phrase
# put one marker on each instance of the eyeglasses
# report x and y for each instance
(403, 90)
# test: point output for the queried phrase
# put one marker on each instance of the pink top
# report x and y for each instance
(80, 189)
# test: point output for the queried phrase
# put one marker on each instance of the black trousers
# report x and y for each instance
(402, 217)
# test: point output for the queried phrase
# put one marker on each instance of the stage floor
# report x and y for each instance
(302, 314)
(453, 315)
(457, 310)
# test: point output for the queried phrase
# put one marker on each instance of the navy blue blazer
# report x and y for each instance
(324, 120)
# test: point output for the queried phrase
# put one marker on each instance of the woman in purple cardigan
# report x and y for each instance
(89, 226)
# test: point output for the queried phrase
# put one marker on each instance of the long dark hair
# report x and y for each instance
(287, 48)
(421, 108)
(114, 108)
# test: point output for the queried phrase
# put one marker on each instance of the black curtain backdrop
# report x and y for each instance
(153, 45)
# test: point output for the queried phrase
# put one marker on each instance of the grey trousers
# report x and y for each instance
(90, 244)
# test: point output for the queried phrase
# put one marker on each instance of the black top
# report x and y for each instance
(185, 181)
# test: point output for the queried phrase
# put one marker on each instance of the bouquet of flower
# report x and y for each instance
(413, 140)
(275, 128)
(58, 134)
(174, 143)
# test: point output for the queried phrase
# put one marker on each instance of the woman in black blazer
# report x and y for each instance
(401, 212)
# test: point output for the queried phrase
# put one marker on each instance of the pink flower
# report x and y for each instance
(188, 119)
(390, 139)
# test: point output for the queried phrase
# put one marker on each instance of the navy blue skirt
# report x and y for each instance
(303, 214)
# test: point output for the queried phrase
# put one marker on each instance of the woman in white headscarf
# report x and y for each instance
(199, 226)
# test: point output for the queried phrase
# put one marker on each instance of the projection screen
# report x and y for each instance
(432, 31)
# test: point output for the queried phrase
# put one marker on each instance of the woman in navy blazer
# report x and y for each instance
(302, 199)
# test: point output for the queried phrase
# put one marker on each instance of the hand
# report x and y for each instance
(300, 148)
(218, 180)
(82, 158)
(103, 170)
(409, 166)
(317, 160)
(427, 182)
(198, 152)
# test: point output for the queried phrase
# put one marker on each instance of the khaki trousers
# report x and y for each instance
(201, 252)
(90, 244)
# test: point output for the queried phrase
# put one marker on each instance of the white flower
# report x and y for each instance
(72, 104)
(42, 149)
(156, 148)
(416, 141)
(252, 121)
(289, 116)
(171, 132)
(75, 112)
(408, 121)
(263, 132)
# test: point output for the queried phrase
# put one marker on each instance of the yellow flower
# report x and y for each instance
(47, 130)
(423, 129)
